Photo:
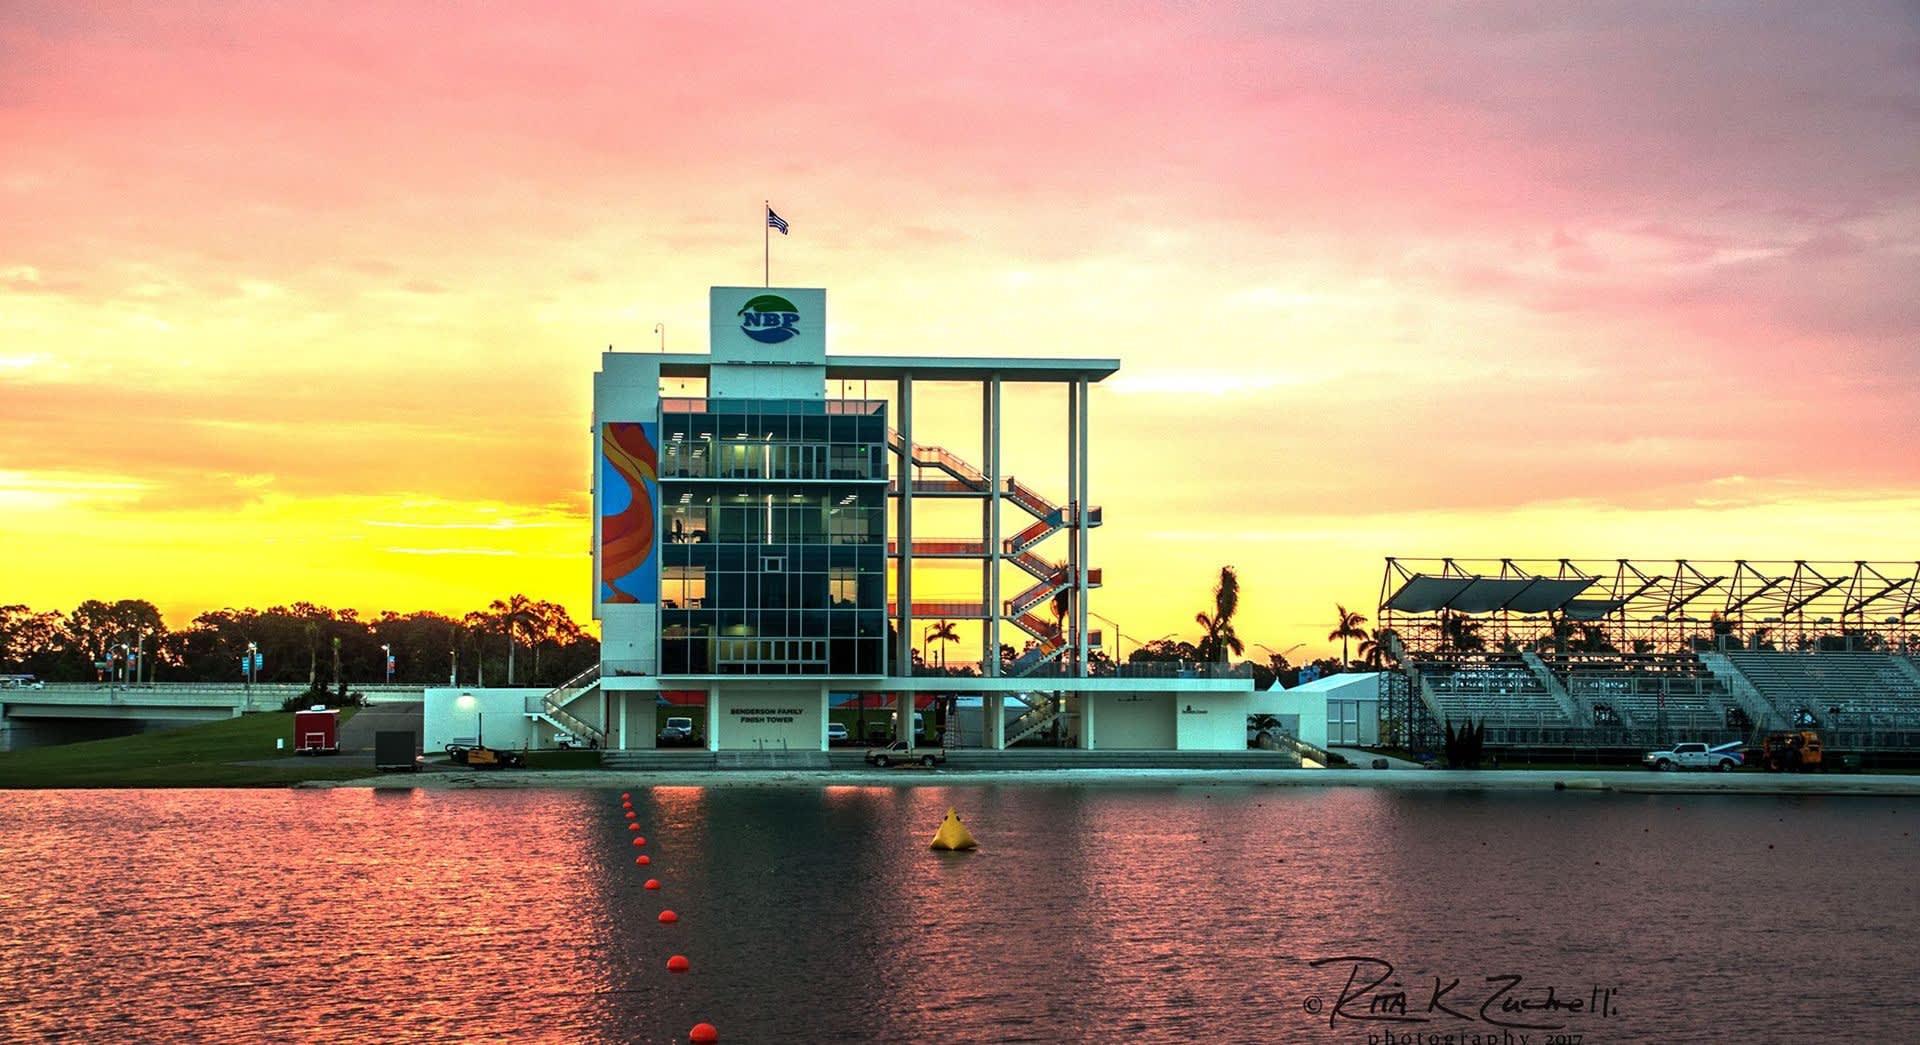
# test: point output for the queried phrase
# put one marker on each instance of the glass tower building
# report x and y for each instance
(773, 552)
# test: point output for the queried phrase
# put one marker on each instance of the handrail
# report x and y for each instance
(551, 703)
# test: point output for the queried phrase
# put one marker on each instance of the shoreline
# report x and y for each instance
(1852, 784)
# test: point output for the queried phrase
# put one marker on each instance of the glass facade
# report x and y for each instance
(773, 534)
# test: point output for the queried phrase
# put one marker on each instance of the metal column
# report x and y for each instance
(990, 525)
(1077, 506)
(903, 533)
(1081, 495)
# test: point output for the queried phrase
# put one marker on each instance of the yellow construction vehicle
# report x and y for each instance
(1791, 751)
(480, 756)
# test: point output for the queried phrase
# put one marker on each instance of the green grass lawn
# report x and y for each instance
(190, 756)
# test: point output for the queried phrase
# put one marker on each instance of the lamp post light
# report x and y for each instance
(453, 667)
(1282, 654)
(248, 666)
(118, 680)
(387, 649)
(467, 701)
(1119, 638)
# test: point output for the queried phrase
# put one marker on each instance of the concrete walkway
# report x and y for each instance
(1626, 781)
(356, 736)
(1364, 759)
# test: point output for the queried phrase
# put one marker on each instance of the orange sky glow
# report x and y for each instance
(302, 302)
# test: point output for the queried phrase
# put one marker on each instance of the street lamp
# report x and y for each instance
(387, 649)
(453, 667)
(1282, 654)
(466, 701)
(118, 680)
(1118, 637)
(253, 658)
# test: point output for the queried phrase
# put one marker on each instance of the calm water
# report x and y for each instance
(815, 915)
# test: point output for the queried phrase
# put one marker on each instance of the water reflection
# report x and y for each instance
(1148, 914)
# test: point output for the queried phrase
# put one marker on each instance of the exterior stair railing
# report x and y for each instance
(1041, 712)
(553, 705)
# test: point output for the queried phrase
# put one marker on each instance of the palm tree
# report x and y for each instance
(312, 630)
(942, 633)
(514, 617)
(1217, 640)
(1558, 636)
(1349, 628)
(1381, 650)
(1460, 633)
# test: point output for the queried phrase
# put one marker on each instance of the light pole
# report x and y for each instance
(1118, 638)
(253, 659)
(1282, 654)
(453, 667)
(387, 649)
(120, 665)
(466, 700)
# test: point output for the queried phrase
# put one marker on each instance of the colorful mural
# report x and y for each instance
(629, 488)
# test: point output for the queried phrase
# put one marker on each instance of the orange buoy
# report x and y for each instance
(626, 805)
(633, 827)
(638, 840)
(703, 1034)
(643, 859)
(668, 917)
(631, 815)
(624, 795)
(653, 883)
(677, 963)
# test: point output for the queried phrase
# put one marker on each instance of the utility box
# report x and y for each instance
(393, 750)
(316, 731)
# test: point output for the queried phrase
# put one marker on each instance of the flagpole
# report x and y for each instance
(766, 243)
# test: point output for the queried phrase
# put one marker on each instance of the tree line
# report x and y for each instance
(514, 641)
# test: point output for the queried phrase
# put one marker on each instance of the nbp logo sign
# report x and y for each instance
(786, 326)
(769, 319)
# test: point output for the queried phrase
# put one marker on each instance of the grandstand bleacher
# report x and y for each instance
(1868, 688)
(1559, 652)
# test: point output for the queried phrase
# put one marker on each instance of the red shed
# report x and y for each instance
(317, 731)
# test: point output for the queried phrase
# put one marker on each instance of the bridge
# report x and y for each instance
(91, 709)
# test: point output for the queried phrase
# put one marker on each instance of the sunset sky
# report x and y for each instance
(301, 301)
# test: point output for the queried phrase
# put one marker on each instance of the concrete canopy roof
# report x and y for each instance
(923, 368)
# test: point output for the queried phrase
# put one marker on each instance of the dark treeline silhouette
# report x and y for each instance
(514, 641)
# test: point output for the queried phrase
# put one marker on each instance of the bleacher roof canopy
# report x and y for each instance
(1431, 593)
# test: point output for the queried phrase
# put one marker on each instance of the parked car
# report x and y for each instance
(678, 732)
(836, 732)
(568, 742)
(1723, 757)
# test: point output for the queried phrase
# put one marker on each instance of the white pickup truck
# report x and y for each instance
(1724, 757)
(900, 753)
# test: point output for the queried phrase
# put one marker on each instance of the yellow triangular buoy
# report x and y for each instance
(953, 834)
